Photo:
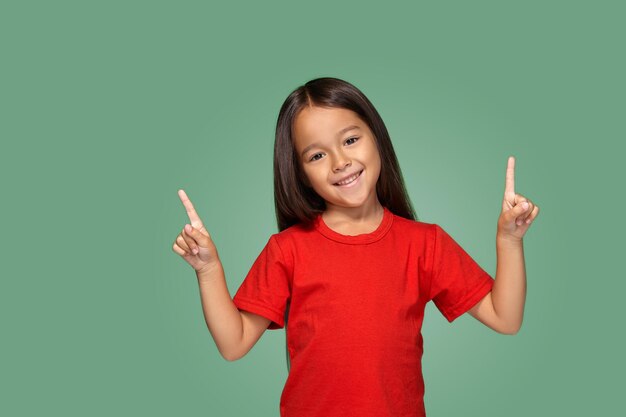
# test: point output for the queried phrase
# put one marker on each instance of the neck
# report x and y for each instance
(367, 213)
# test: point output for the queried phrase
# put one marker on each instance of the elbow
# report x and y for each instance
(231, 358)
(511, 331)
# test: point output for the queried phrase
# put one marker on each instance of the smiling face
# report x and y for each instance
(338, 154)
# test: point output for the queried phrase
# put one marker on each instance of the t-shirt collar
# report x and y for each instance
(373, 236)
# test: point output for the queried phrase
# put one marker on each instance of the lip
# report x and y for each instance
(360, 172)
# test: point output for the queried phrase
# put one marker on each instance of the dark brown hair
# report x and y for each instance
(296, 202)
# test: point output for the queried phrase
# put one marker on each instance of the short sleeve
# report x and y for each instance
(266, 289)
(457, 281)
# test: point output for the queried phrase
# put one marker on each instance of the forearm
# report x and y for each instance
(509, 290)
(220, 313)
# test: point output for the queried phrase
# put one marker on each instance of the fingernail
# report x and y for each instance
(195, 251)
(525, 205)
(188, 228)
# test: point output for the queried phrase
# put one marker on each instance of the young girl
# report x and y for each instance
(351, 269)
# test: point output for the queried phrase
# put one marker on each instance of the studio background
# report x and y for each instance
(108, 108)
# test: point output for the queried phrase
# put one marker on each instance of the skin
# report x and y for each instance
(234, 331)
(331, 155)
(503, 308)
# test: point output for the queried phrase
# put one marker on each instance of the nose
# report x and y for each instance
(341, 162)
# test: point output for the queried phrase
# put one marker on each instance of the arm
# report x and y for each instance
(220, 313)
(235, 332)
(509, 290)
(503, 308)
(253, 328)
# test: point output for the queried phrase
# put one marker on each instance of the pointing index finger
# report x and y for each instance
(191, 211)
(509, 186)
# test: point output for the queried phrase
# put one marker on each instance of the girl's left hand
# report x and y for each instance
(518, 212)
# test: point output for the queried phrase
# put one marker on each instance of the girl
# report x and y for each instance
(351, 269)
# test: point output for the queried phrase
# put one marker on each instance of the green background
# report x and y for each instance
(108, 108)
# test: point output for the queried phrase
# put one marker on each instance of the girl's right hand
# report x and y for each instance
(194, 243)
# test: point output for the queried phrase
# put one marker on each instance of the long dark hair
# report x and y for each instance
(296, 202)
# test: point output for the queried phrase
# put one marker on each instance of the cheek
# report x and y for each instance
(376, 173)
(375, 157)
(376, 164)
(312, 175)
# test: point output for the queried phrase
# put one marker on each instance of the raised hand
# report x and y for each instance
(518, 212)
(194, 243)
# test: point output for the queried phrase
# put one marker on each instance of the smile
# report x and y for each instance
(349, 181)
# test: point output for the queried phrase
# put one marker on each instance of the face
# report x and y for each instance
(338, 154)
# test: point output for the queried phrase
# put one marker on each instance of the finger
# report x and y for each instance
(191, 211)
(518, 211)
(519, 199)
(509, 183)
(180, 241)
(529, 211)
(525, 213)
(190, 239)
(201, 238)
(179, 251)
(532, 216)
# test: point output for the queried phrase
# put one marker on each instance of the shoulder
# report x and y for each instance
(417, 227)
(296, 231)
(289, 239)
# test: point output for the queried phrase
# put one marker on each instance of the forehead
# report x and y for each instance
(314, 124)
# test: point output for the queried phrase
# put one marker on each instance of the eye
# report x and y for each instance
(350, 143)
(315, 157)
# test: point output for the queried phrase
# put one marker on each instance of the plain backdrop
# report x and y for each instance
(108, 108)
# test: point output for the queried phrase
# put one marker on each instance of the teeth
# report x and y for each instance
(349, 180)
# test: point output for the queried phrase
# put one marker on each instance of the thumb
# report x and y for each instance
(518, 210)
(199, 237)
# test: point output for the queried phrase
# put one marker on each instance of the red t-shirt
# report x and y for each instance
(356, 311)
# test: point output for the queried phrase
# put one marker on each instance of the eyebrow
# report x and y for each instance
(341, 132)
